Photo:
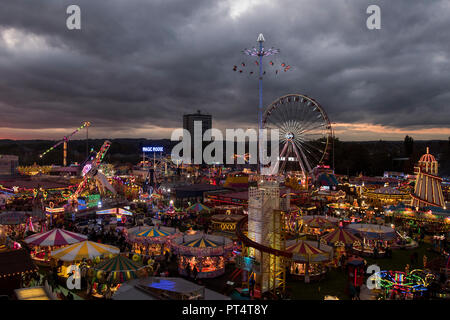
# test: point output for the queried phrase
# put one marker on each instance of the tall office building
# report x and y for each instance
(188, 124)
(8, 164)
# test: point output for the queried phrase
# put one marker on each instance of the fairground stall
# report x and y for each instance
(121, 216)
(207, 253)
(151, 241)
(41, 244)
(15, 266)
(309, 262)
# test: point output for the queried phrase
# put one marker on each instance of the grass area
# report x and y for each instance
(402, 257)
(335, 283)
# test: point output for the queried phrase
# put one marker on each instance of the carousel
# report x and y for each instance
(375, 238)
(43, 243)
(206, 253)
(198, 208)
(151, 241)
(315, 226)
(341, 240)
(309, 260)
(108, 275)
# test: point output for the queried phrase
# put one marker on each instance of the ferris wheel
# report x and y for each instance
(305, 132)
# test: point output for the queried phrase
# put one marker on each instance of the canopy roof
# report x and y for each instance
(118, 211)
(55, 237)
(83, 250)
(16, 262)
(372, 231)
(152, 232)
(340, 236)
(198, 207)
(117, 264)
(202, 243)
(388, 190)
(304, 252)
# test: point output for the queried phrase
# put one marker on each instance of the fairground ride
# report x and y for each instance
(65, 139)
(91, 173)
(305, 132)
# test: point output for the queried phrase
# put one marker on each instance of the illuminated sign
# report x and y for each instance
(152, 149)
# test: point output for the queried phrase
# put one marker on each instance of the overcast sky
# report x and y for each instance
(137, 65)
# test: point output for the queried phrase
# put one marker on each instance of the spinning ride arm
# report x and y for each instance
(64, 140)
(94, 173)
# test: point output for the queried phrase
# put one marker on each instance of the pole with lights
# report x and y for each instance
(260, 52)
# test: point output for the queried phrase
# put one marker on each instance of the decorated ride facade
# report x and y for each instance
(207, 254)
(309, 260)
(151, 241)
(225, 223)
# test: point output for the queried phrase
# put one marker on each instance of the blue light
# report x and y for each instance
(153, 149)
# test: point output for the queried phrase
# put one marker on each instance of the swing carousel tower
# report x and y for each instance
(428, 189)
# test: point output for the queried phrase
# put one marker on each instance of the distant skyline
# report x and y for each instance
(137, 66)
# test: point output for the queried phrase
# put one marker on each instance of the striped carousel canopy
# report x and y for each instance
(304, 252)
(55, 237)
(117, 264)
(120, 265)
(340, 237)
(202, 243)
(198, 207)
(83, 250)
(152, 232)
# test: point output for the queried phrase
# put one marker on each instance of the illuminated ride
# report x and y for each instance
(207, 253)
(64, 140)
(91, 173)
(305, 132)
(282, 257)
(415, 282)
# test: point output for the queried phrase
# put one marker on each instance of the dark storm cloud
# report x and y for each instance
(139, 63)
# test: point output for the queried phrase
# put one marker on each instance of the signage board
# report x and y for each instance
(153, 149)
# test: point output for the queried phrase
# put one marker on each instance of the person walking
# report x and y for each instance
(195, 273)
(357, 292)
(251, 286)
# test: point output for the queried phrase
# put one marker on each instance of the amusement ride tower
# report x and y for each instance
(260, 52)
(265, 224)
(428, 189)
